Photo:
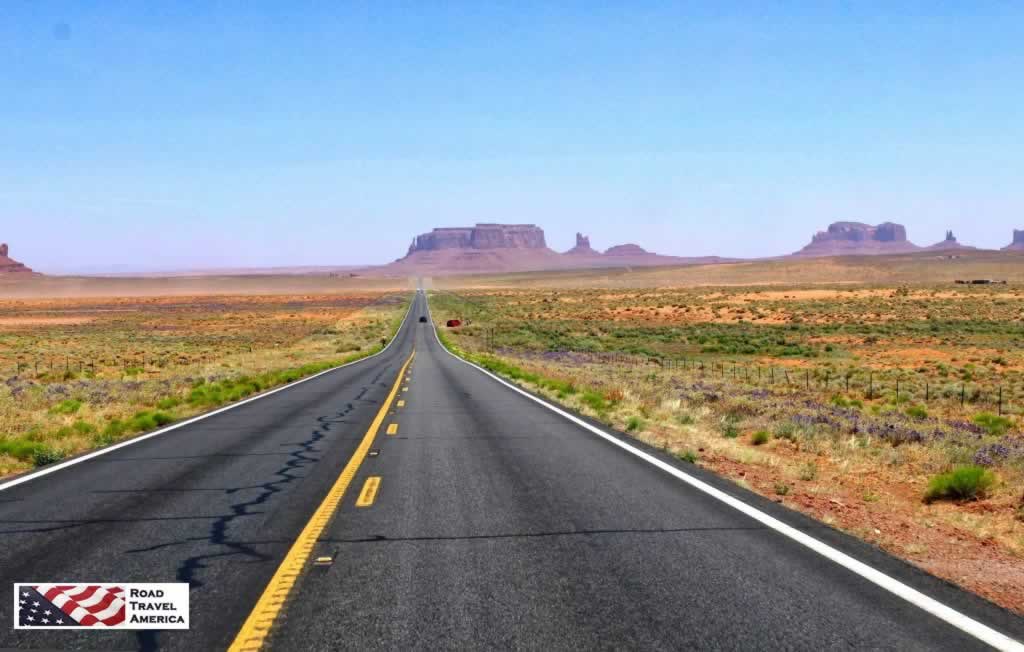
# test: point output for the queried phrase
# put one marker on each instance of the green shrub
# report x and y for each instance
(142, 421)
(84, 427)
(168, 403)
(917, 412)
(809, 471)
(760, 437)
(20, 449)
(688, 456)
(730, 431)
(46, 455)
(781, 489)
(594, 400)
(995, 425)
(786, 430)
(962, 483)
(67, 406)
(114, 430)
(634, 423)
(162, 418)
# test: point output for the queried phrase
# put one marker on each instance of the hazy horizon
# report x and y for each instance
(191, 137)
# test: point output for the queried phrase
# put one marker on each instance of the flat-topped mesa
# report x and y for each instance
(9, 266)
(859, 232)
(481, 236)
(858, 238)
(1018, 241)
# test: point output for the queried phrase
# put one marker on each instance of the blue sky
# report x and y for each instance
(203, 134)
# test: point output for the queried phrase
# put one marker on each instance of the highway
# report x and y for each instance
(444, 510)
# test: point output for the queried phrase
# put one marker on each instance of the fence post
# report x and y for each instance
(897, 391)
(927, 394)
(962, 393)
(1000, 400)
(807, 379)
(871, 384)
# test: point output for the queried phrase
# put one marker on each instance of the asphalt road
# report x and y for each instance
(497, 524)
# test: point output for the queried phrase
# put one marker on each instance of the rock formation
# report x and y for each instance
(1018, 242)
(625, 250)
(856, 238)
(481, 236)
(582, 247)
(498, 248)
(9, 266)
(949, 243)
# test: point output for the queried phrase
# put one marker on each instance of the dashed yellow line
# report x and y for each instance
(369, 492)
(256, 628)
(393, 429)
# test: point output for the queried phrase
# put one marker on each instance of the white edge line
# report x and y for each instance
(962, 622)
(103, 451)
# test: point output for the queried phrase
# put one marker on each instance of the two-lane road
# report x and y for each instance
(481, 519)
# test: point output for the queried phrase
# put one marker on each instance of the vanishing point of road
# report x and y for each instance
(412, 501)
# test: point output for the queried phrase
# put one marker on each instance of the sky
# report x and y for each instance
(157, 136)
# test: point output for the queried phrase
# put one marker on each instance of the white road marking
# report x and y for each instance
(103, 451)
(962, 622)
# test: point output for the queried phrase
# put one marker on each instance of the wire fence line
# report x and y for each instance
(899, 385)
(871, 385)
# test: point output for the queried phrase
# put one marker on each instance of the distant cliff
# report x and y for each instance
(856, 238)
(1018, 242)
(513, 247)
(10, 266)
(481, 236)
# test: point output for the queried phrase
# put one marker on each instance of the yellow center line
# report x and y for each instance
(393, 429)
(254, 632)
(369, 492)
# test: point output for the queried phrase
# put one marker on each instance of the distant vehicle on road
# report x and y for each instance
(423, 320)
(452, 323)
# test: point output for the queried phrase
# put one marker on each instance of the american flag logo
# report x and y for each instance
(70, 605)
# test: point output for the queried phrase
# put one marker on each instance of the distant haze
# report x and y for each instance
(142, 137)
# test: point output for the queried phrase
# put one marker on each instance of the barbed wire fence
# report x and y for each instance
(899, 386)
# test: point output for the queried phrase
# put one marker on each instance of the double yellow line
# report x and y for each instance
(257, 626)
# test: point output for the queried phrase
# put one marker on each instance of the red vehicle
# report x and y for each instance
(452, 323)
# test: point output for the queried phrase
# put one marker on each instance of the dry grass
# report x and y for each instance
(83, 372)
